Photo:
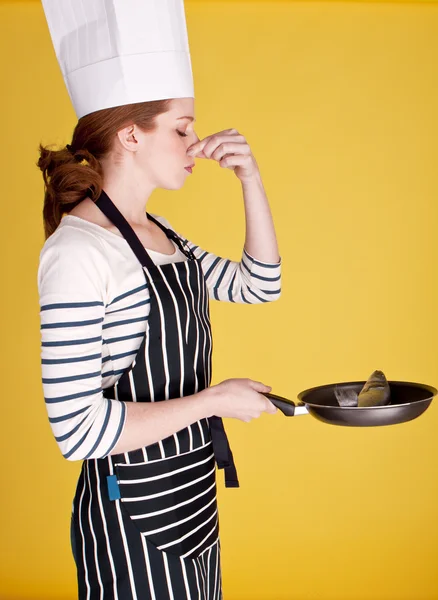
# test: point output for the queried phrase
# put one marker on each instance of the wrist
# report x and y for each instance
(254, 178)
(252, 181)
(209, 398)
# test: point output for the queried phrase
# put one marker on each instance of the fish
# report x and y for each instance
(375, 392)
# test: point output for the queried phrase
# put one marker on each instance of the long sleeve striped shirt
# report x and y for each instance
(94, 307)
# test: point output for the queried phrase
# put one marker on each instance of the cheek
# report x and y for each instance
(176, 145)
(170, 153)
(170, 150)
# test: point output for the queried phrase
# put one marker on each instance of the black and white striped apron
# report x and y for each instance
(145, 522)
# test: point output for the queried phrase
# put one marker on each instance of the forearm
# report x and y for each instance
(260, 238)
(149, 422)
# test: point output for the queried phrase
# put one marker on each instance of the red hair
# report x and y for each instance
(70, 175)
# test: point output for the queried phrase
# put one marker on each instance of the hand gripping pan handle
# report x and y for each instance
(287, 407)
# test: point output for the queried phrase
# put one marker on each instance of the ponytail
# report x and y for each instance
(69, 177)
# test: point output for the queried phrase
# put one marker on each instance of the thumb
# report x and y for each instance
(196, 153)
(258, 386)
(270, 408)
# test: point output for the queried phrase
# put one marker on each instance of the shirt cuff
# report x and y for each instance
(260, 263)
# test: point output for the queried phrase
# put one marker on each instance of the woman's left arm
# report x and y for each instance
(231, 150)
(257, 277)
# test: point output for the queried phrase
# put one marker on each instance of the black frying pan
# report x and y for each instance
(408, 401)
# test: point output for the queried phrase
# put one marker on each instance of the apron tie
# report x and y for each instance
(222, 452)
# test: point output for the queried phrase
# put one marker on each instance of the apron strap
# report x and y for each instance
(111, 211)
(222, 452)
(183, 246)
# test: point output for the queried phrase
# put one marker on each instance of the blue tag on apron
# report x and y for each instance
(113, 487)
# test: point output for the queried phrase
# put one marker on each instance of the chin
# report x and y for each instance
(174, 185)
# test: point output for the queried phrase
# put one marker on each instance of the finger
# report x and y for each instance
(226, 132)
(217, 141)
(258, 386)
(229, 148)
(256, 414)
(199, 154)
(197, 148)
(212, 142)
(229, 132)
(235, 160)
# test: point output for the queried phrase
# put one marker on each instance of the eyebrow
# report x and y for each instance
(190, 118)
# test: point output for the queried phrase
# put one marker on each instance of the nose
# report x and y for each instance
(192, 138)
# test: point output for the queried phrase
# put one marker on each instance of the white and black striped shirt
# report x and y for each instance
(94, 305)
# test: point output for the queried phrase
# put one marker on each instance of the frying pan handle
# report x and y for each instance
(287, 407)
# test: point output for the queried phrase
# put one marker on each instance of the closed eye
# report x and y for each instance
(181, 133)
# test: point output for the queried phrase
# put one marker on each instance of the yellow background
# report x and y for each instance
(339, 102)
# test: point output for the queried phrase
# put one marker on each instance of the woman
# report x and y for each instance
(126, 351)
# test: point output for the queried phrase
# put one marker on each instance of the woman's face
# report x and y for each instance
(162, 154)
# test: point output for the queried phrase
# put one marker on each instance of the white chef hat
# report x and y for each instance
(116, 52)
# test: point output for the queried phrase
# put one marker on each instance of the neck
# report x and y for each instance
(129, 196)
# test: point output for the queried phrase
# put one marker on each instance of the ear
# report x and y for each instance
(127, 138)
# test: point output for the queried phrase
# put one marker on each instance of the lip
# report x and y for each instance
(189, 169)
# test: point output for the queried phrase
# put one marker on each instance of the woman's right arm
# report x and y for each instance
(150, 422)
(72, 283)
